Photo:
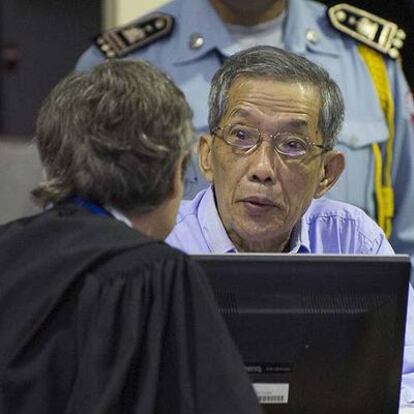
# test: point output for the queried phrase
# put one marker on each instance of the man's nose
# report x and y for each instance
(263, 164)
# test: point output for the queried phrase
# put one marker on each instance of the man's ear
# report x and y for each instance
(177, 178)
(205, 147)
(332, 167)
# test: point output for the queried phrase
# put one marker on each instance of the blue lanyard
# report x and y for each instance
(92, 207)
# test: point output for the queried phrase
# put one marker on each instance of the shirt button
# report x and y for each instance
(312, 36)
(196, 41)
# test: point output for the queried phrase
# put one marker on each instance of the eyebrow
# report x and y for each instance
(298, 123)
(242, 113)
(292, 123)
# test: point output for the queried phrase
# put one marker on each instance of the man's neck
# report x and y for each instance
(151, 223)
(249, 17)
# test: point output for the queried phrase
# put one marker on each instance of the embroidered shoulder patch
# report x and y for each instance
(380, 34)
(121, 41)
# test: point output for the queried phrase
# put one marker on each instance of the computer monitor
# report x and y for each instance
(319, 334)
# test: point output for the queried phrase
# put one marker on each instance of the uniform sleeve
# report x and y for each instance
(153, 342)
(89, 59)
(402, 238)
(407, 385)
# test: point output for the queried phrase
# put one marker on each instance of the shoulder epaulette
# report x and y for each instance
(120, 41)
(380, 34)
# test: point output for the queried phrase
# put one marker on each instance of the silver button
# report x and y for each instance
(352, 20)
(312, 36)
(397, 43)
(394, 53)
(401, 34)
(148, 28)
(159, 23)
(196, 41)
(340, 15)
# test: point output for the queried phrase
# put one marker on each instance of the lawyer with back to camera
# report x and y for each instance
(97, 314)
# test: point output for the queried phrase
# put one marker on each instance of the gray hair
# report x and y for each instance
(113, 136)
(278, 64)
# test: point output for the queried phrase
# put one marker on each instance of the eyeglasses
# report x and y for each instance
(247, 138)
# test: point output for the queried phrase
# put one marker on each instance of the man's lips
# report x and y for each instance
(261, 201)
(258, 205)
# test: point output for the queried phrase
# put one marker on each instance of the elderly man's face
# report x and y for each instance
(262, 194)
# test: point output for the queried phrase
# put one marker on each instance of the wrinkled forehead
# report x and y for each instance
(253, 96)
(245, 80)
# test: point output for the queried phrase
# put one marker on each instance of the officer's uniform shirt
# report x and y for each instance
(200, 42)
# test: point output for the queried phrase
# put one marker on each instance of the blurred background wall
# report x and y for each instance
(121, 11)
(40, 41)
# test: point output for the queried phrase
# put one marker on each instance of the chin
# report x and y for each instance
(258, 232)
(249, 5)
(260, 242)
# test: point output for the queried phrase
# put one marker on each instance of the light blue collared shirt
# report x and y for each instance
(326, 227)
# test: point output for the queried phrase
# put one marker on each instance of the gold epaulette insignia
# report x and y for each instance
(120, 41)
(380, 34)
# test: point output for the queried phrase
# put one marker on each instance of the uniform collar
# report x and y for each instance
(219, 242)
(308, 28)
(306, 20)
(198, 18)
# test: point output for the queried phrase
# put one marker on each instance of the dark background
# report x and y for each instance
(40, 41)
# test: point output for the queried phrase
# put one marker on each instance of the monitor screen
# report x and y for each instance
(318, 334)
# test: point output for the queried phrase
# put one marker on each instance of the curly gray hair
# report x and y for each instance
(113, 136)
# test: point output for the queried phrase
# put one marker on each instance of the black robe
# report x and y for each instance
(97, 318)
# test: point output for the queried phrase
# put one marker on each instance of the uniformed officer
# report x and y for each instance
(189, 39)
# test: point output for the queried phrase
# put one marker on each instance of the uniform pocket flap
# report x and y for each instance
(361, 133)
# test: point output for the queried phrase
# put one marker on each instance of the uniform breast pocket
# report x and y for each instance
(356, 184)
(357, 134)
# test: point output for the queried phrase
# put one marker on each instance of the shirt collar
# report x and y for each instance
(212, 227)
(219, 242)
(299, 242)
(119, 216)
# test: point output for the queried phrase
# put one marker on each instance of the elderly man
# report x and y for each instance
(352, 45)
(97, 314)
(274, 117)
